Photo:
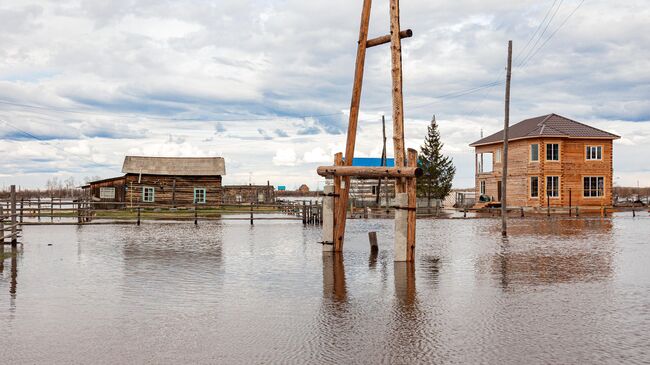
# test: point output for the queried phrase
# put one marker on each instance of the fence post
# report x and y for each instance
(304, 212)
(548, 204)
(52, 209)
(14, 239)
(251, 214)
(138, 223)
(2, 226)
(38, 208)
(522, 212)
(577, 212)
(196, 215)
(78, 212)
(22, 200)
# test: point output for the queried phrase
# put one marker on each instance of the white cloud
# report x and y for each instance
(285, 157)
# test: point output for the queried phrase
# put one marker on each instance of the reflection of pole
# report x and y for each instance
(504, 161)
(334, 276)
(405, 281)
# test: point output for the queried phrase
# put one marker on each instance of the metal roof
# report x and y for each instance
(372, 162)
(176, 166)
(551, 125)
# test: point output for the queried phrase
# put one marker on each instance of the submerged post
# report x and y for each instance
(138, 223)
(14, 238)
(22, 209)
(304, 212)
(372, 237)
(401, 221)
(196, 215)
(251, 214)
(411, 190)
(2, 225)
(328, 218)
(504, 162)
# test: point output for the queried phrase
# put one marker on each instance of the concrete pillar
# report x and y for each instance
(328, 219)
(401, 219)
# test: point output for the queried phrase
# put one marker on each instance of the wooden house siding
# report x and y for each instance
(571, 169)
(173, 190)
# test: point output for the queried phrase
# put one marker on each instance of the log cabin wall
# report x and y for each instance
(571, 169)
(236, 194)
(97, 191)
(175, 191)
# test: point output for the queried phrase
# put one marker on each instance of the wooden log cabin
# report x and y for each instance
(162, 181)
(551, 160)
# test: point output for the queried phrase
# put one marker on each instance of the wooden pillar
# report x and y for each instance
(22, 210)
(342, 202)
(412, 207)
(14, 238)
(304, 212)
(138, 223)
(328, 218)
(504, 159)
(398, 100)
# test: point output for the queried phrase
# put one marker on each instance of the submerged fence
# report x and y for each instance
(46, 211)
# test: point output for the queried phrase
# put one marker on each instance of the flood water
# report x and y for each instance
(557, 291)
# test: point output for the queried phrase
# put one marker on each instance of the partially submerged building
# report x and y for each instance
(169, 181)
(551, 160)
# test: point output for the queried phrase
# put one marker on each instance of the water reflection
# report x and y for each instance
(12, 255)
(583, 252)
(334, 287)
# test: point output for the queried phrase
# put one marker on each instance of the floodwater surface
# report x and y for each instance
(556, 291)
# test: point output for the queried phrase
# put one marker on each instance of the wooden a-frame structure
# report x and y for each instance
(405, 171)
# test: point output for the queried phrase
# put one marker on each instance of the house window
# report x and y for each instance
(199, 195)
(482, 185)
(593, 186)
(238, 198)
(553, 186)
(497, 156)
(484, 162)
(534, 152)
(594, 152)
(148, 194)
(534, 186)
(552, 152)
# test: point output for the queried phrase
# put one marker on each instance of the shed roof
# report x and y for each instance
(176, 166)
(551, 125)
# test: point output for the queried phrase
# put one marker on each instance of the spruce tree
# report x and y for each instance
(438, 170)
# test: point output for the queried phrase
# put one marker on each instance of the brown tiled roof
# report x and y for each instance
(551, 125)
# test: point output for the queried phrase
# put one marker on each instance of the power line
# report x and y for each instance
(556, 30)
(526, 57)
(539, 26)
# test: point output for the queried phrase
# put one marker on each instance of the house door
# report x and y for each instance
(499, 190)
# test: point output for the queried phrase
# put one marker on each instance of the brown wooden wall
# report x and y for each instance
(571, 169)
(173, 190)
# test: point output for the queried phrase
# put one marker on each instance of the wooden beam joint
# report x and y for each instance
(386, 38)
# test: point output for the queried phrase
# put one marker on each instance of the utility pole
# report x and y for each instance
(383, 156)
(504, 161)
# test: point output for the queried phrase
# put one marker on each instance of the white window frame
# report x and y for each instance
(599, 190)
(481, 162)
(557, 188)
(530, 157)
(592, 153)
(558, 152)
(148, 198)
(205, 195)
(530, 187)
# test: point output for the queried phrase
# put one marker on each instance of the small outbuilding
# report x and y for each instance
(162, 181)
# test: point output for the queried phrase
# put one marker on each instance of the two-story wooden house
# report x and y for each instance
(551, 159)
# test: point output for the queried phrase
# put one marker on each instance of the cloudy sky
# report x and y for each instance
(267, 83)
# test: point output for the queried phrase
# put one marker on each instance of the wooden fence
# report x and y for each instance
(51, 211)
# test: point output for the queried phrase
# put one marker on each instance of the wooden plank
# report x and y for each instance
(352, 125)
(412, 203)
(398, 101)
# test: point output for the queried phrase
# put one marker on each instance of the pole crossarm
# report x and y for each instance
(386, 38)
(370, 172)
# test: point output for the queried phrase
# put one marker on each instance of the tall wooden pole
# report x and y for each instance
(341, 209)
(398, 100)
(383, 156)
(14, 237)
(504, 161)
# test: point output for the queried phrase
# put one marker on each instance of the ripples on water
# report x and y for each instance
(556, 291)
